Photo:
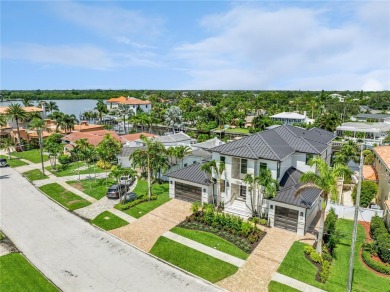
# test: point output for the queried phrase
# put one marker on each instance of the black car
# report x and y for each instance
(116, 191)
(129, 197)
(3, 162)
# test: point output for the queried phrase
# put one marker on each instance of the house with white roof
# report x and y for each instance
(130, 103)
(370, 133)
(285, 151)
(289, 118)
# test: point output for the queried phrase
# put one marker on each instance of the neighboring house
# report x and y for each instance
(249, 121)
(94, 138)
(133, 140)
(288, 118)
(337, 96)
(83, 126)
(124, 157)
(130, 103)
(382, 167)
(373, 118)
(175, 139)
(208, 144)
(28, 109)
(369, 133)
(278, 149)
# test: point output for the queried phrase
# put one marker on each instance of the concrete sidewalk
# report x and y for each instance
(295, 283)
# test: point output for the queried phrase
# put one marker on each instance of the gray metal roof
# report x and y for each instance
(178, 137)
(373, 116)
(278, 143)
(127, 151)
(192, 173)
(209, 143)
(289, 185)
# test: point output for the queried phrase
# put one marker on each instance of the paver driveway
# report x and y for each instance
(144, 232)
(256, 273)
(75, 255)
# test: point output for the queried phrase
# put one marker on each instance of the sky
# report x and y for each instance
(195, 45)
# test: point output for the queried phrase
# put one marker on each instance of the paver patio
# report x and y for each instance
(144, 232)
(263, 262)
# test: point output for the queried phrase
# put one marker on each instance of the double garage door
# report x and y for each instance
(286, 218)
(187, 192)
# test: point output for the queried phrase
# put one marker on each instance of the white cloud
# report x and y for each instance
(291, 48)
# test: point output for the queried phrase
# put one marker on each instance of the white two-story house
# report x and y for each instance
(284, 150)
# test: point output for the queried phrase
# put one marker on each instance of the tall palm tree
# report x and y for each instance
(249, 180)
(67, 122)
(349, 151)
(27, 101)
(181, 152)
(144, 158)
(52, 106)
(325, 179)
(16, 112)
(7, 145)
(217, 168)
(101, 109)
(267, 186)
(39, 126)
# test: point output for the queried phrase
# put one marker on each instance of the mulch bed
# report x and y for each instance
(371, 269)
(366, 226)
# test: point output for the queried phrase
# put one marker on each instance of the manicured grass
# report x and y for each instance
(13, 162)
(108, 221)
(94, 188)
(64, 197)
(193, 261)
(237, 131)
(72, 169)
(141, 189)
(279, 287)
(34, 174)
(31, 155)
(212, 241)
(17, 274)
(297, 266)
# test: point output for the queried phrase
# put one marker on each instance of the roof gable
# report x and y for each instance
(192, 173)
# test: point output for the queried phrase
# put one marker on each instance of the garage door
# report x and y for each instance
(286, 218)
(187, 192)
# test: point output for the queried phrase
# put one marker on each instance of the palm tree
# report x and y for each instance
(84, 147)
(39, 126)
(181, 152)
(7, 145)
(173, 118)
(325, 179)
(101, 108)
(217, 168)
(248, 179)
(27, 101)
(349, 151)
(52, 106)
(16, 113)
(145, 158)
(53, 145)
(67, 122)
(267, 186)
(57, 117)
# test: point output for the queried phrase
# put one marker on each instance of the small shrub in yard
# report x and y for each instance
(315, 257)
(263, 222)
(376, 222)
(379, 231)
(325, 271)
(308, 249)
(383, 242)
(64, 159)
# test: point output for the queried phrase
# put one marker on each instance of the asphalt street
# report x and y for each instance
(73, 254)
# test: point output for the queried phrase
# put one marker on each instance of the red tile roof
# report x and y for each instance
(93, 138)
(384, 153)
(369, 173)
(136, 136)
(128, 100)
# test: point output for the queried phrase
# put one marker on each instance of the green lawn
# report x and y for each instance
(34, 174)
(72, 169)
(13, 162)
(279, 287)
(108, 221)
(64, 197)
(94, 188)
(193, 261)
(211, 240)
(237, 131)
(17, 274)
(141, 189)
(296, 266)
(31, 155)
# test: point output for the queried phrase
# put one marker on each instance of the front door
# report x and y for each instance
(243, 192)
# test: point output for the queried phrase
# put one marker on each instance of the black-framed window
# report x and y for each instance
(243, 191)
(263, 165)
(222, 185)
(278, 170)
(222, 159)
(244, 166)
(309, 157)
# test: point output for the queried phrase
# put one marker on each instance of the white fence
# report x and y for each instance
(348, 212)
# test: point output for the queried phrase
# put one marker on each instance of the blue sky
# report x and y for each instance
(306, 45)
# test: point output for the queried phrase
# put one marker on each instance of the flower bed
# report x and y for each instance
(376, 265)
(244, 234)
(322, 264)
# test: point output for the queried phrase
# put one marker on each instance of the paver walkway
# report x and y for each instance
(205, 249)
(263, 262)
(144, 232)
(295, 283)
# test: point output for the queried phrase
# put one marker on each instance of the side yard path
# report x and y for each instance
(263, 262)
(295, 283)
(144, 232)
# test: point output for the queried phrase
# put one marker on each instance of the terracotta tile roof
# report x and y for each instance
(93, 138)
(369, 173)
(128, 100)
(384, 153)
(85, 126)
(136, 136)
(29, 109)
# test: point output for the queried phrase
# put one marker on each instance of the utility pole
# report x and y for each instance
(355, 223)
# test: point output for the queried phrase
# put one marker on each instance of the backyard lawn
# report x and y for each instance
(108, 221)
(141, 189)
(13, 162)
(64, 197)
(72, 169)
(237, 131)
(17, 274)
(279, 287)
(34, 174)
(297, 266)
(94, 188)
(212, 241)
(191, 260)
(31, 155)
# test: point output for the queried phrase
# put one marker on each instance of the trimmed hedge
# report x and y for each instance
(376, 222)
(383, 242)
(136, 202)
(381, 268)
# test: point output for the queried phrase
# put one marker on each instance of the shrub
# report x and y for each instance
(64, 159)
(371, 247)
(136, 202)
(325, 271)
(376, 222)
(383, 242)
(368, 192)
(263, 222)
(379, 231)
(308, 249)
(315, 257)
(381, 268)
(103, 164)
